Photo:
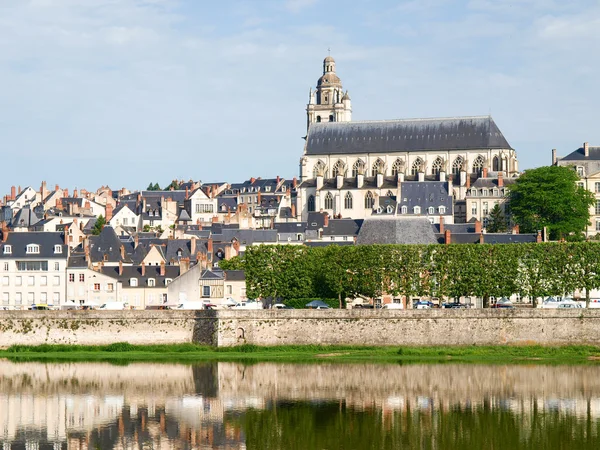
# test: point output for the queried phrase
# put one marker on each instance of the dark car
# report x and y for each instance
(454, 305)
(423, 304)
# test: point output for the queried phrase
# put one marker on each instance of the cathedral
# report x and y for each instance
(354, 169)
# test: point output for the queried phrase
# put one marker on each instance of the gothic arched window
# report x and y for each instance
(378, 167)
(457, 165)
(436, 167)
(348, 201)
(358, 168)
(397, 167)
(495, 164)
(478, 165)
(311, 203)
(417, 166)
(329, 201)
(369, 200)
(338, 168)
(319, 169)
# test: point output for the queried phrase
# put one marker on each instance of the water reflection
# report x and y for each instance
(273, 406)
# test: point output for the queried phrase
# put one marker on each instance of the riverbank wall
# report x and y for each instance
(302, 327)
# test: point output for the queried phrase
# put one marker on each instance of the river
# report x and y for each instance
(298, 406)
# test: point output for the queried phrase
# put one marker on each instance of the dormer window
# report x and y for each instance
(431, 210)
(404, 210)
(133, 282)
(417, 210)
(8, 249)
(58, 249)
(151, 282)
(390, 210)
(442, 209)
(33, 249)
(179, 253)
(267, 188)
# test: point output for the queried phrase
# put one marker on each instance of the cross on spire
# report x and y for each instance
(329, 51)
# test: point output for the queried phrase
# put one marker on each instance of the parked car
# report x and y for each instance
(281, 306)
(363, 306)
(423, 304)
(503, 306)
(113, 306)
(454, 305)
(563, 305)
(393, 306)
(317, 304)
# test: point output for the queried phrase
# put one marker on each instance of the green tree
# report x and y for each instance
(497, 221)
(550, 197)
(100, 222)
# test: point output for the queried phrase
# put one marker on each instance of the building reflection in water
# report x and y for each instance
(215, 405)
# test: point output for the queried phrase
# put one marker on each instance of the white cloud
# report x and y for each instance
(298, 5)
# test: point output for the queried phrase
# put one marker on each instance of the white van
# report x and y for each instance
(113, 306)
(393, 306)
(249, 304)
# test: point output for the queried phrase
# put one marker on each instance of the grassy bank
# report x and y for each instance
(124, 352)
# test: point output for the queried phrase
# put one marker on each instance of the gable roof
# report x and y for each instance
(579, 155)
(455, 133)
(396, 230)
(106, 243)
(45, 240)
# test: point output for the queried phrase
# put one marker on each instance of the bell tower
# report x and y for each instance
(328, 102)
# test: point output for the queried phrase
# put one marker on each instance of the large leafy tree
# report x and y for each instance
(550, 197)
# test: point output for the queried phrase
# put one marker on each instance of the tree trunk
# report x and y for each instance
(340, 299)
(486, 301)
(587, 297)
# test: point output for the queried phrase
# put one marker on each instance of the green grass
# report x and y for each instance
(124, 352)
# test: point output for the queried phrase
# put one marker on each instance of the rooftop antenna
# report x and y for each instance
(329, 50)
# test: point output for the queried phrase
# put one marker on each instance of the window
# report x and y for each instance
(56, 281)
(474, 208)
(348, 201)
(580, 171)
(32, 266)
(18, 298)
(30, 298)
(5, 298)
(369, 200)
(431, 210)
(442, 209)
(417, 166)
(597, 225)
(205, 291)
(133, 282)
(33, 248)
(580, 184)
(96, 286)
(457, 166)
(436, 167)
(208, 207)
(5, 281)
(30, 281)
(110, 287)
(495, 164)
(358, 168)
(81, 277)
(168, 281)
(5, 266)
(44, 297)
(378, 167)
(484, 192)
(597, 187)
(329, 201)
(404, 209)
(71, 278)
(56, 298)
(331, 118)
(338, 168)
(229, 289)
(311, 203)
(58, 249)
(319, 169)
(7, 249)
(18, 281)
(397, 167)
(44, 281)
(417, 210)
(125, 221)
(151, 282)
(478, 165)
(56, 266)
(485, 208)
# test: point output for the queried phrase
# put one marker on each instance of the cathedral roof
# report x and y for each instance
(456, 133)
(329, 78)
(329, 59)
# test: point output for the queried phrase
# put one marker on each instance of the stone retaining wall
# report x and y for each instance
(265, 327)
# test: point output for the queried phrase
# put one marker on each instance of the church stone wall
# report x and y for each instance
(341, 327)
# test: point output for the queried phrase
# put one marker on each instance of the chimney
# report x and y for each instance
(515, 229)
(481, 240)
(162, 269)
(65, 192)
(468, 181)
(74, 193)
(294, 210)
(13, 192)
(421, 176)
(143, 269)
(122, 252)
(139, 200)
(184, 265)
(136, 241)
(586, 149)
(485, 172)
(109, 212)
(215, 219)
(259, 199)
(19, 191)
(319, 182)
(120, 268)
(187, 193)
(209, 246)
(538, 238)
(477, 226)
(554, 157)
(447, 237)
(500, 179)
(442, 176)
(360, 180)
(294, 183)
(59, 203)
(339, 181)
(278, 179)
(56, 187)
(66, 235)
(326, 220)
(441, 224)
(193, 246)
(380, 180)
(252, 180)
(4, 231)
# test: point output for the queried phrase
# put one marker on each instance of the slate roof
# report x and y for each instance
(343, 227)
(491, 182)
(106, 243)
(502, 238)
(45, 240)
(129, 272)
(327, 243)
(396, 230)
(435, 134)
(77, 260)
(229, 203)
(579, 155)
(25, 217)
(211, 275)
(246, 237)
(235, 275)
(350, 183)
(290, 227)
(425, 194)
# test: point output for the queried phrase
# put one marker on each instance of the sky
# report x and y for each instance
(127, 92)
